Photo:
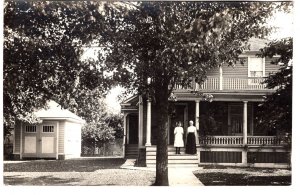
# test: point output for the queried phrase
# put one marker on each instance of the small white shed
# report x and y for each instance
(58, 136)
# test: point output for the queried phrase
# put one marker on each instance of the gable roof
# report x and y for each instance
(54, 111)
(256, 44)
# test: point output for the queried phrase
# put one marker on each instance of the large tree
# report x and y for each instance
(43, 45)
(172, 42)
(276, 111)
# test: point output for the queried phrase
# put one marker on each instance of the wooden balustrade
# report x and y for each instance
(221, 140)
(263, 140)
(238, 140)
(228, 83)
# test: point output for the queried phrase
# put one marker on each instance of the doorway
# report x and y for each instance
(133, 129)
(40, 141)
(179, 114)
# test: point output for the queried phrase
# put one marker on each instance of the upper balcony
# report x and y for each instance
(213, 83)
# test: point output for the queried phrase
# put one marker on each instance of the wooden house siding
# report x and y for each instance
(61, 135)
(213, 72)
(238, 70)
(241, 70)
(17, 135)
(270, 68)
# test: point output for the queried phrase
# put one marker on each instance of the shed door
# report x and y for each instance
(40, 140)
(47, 140)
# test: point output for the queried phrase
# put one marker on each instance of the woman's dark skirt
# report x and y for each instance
(191, 144)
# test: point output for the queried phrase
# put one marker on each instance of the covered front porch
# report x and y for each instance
(228, 132)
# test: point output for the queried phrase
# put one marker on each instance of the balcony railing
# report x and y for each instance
(227, 83)
(238, 140)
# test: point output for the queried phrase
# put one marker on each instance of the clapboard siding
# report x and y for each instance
(238, 70)
(17, 137)
(270, 68)
(213, 72)
(241, 70)
(61, 135)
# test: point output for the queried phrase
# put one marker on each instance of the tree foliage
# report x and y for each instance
(276, 112)
(43, 44)
(172, 42)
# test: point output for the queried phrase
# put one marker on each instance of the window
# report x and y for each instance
(48, 129)
(256, 67)
(30, 129)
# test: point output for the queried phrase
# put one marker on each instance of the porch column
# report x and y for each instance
(125, 132)
(244, 152)
(245, 123)
(140, 121)
(221, 78)
(148, 142)
(197, 114)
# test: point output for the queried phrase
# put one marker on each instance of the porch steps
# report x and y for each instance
(131, 151)
(174, 160)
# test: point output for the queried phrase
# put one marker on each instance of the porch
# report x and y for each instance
(228, 133)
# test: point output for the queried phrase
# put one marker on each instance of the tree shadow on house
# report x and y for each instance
(39, 181)
(72, 165)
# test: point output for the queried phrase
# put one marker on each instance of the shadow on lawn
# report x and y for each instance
(76, 165)
(232, 179)
(39, 181)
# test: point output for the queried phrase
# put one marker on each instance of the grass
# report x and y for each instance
(72, 165)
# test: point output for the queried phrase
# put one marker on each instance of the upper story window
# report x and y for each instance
(256, 67)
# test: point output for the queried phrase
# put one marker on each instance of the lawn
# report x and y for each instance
(244, 177)
(79, 172)
(71, 165)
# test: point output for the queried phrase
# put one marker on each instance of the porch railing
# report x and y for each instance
(263, 140)
(238, 140)
(221, 140)
(227, 83)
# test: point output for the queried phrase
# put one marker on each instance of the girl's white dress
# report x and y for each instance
(178, 132)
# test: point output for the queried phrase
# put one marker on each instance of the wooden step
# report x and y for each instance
(176, 161)
(174, 165)
(175, 157)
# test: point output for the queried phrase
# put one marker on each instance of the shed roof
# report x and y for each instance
(54, 111)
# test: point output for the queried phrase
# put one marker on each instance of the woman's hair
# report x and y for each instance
(179, 123)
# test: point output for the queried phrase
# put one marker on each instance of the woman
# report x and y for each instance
(178, 142)
(191, 139)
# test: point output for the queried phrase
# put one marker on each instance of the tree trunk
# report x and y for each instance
(162, 138)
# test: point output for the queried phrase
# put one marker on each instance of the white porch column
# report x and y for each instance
(221, 78)
(244, 152)
(148, 142)
(125, 132)
(141, 126)
(245, 123)
(197, 115)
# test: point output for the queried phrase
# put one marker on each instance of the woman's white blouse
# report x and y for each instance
(191, 129)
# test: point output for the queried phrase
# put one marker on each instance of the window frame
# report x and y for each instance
(263, 66)
(48, 126)
(30, 126)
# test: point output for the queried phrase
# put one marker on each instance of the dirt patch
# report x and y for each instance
(244, 177)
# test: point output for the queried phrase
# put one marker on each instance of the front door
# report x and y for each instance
(39, 141)
(175, 117)
(133, 129)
